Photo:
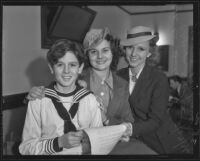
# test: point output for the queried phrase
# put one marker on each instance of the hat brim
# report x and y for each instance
(133, 41)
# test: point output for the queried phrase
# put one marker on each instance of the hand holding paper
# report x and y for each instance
(103, 139)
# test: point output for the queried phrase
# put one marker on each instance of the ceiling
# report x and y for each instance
(132, 10)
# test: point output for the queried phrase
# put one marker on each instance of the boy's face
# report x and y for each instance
(101, 56)
(66, 72)
(136, 54)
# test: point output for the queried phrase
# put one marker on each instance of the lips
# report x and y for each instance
(100, 62)
(67, 77)
(133, 59)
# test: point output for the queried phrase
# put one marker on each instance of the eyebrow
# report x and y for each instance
(59, 61)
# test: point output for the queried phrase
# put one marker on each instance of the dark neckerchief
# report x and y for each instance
(78, 94)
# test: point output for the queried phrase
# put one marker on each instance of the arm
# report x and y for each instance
(124, 115)
(35, 92)
(156, 108)
(33, 143)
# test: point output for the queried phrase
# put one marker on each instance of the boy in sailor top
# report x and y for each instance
(53, 124)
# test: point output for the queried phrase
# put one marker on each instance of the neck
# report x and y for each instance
(103, 74)
(137, 68)
(65, 90)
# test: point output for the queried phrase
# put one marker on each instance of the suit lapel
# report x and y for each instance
(143, 78)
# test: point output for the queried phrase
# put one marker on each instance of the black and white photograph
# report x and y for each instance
(87, 80)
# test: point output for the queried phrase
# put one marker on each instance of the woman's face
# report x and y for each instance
(136, 54)
(100, 56)
(66, 72)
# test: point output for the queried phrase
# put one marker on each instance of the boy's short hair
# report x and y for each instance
(59, 49)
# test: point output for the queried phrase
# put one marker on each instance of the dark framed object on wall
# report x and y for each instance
(59, 22)
(164, 57)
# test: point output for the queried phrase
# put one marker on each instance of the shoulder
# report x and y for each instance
(83, 94)
(90, 97)
(89, 102)
(122, 71)
(37, 103)
(118, 80)
(157, 74)
(85, 72)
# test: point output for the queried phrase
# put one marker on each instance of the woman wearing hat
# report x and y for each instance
(149, 92)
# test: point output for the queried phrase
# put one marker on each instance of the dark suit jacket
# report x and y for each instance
(119, 108)
(148, 103)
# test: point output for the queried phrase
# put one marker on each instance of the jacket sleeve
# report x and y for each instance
(124, 115)
(157, 107)
(32, 141)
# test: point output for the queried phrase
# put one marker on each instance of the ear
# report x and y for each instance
(51, 69)
(81, 68)
(148, 55)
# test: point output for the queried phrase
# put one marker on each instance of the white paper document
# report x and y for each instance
(104, 139)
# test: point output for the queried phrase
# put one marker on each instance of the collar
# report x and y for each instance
(77, 94)
(137, 75)
(108, 80)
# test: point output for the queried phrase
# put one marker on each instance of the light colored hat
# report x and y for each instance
(94, 37)
(137, 35)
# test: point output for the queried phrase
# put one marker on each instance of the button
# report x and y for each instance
(101, 93)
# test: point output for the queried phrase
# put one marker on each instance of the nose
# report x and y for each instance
(133, 52)
(66, 69)
(99, 55)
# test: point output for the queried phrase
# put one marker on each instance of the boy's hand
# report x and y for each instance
(70, 139)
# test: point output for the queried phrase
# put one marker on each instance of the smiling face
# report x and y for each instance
(136, 55)
(66, 71)
(100, 56)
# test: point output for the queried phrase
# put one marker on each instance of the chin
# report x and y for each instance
(133, 65)
(101, 67)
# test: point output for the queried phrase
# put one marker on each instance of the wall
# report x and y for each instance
(24, 62)
(181, 48)
(113, 17)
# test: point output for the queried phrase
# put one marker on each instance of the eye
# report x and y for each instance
(141, 48)
(106, 50)
(59, 64)
(129, 47)
(93, 52)
(73, 64)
